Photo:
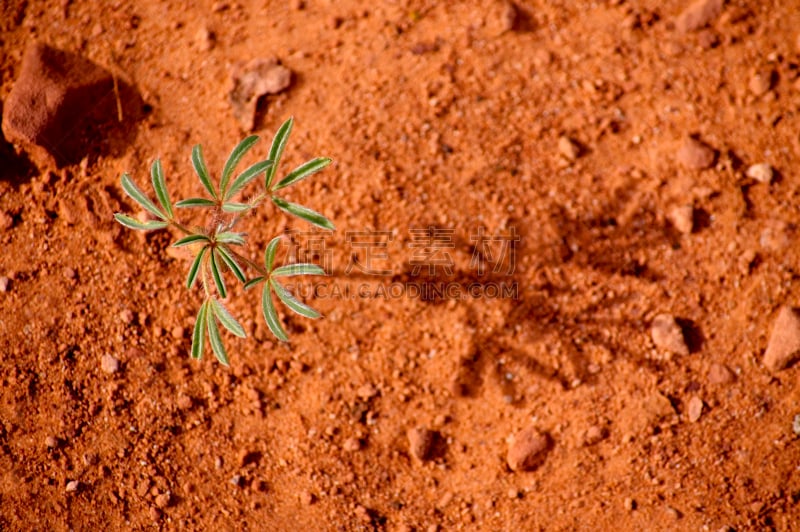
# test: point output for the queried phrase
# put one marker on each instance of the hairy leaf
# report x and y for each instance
(216, 340)
(219, 281)
(139, 197)
(234, 158)
(199, 163)
(292, 302)
(303, 171)
(199, 335)
(190, 239)
(276, 150)
(235, 208)
(252, 282)
(229, 237)
(245, 177)
(160, 186)
(269, 253)
(303, 268)
(227, 321)
(230, 261)
(305, 213)
(195, 202)
(195, 268)
(271, 315)
(133, 223)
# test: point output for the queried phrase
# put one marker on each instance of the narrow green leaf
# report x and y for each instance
(252, 282)
(303, 171)
(195, 268)
(199, 163)
(292, 302)
(276, 150)
(133, 223)
(199, 335)
(227, 321)
(245, 177)
(216, 340)
(160, 186)
(227, 258)
(269, 253)
(235, 208)
(234, 158)
(305, 213)
(195, 202)
(139, 197)
(191, 239)
(217, 275)
(303, 268)
(271, 315)
(229, 237)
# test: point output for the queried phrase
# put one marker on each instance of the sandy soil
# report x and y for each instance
(564, 122)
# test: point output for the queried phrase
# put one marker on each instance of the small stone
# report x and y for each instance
(720, 374)
(695, 408)
(501, 17)
(657, 407)
(682, 218)
(513, 493)
(184, 402)
(527, 449)
(352, 445)
(109, 364)
(695, 154)
(51, 442)
(163, 500)
(568, 148)
(367, 392)
(178, 332)
(72, 486)
(698, 15)
(421, 442)
(672, 512)
(796, 425)
(127, 316)
(307, 498)
(761, 172)
(594, 434)
(629, 504)
(667, 335)
(297, 5)
(237, 480)
(155, 513)
(6, 221)
(760, 83)
(69, 273)
(5, 284)
(204, 39)
(783, 348)
(90, 459)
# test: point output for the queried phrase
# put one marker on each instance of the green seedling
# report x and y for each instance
(217, 249)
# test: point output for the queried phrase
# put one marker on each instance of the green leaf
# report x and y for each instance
(191, 239)
(292, 302)
(269, 253)
(133, 223)
(139, 197)
(229, 237)
(227, 321)
(199, 163)
(195, 268)
(303, 171)
(303, 268)
(227, 258)
(236, 208)
(216, 340)
(217, 275)
(195, 202)
(234, 158)
(271, 315)
(305, 213)
(198, 335)
(245, 177)
(252, 282)
(160, 186)
(276, 150)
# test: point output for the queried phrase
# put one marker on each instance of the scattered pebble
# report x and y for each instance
(205, 39)
(184, 402)
(527, 449)
(501, 17)
(90, 459)
(72, 486)
(513, 493)
(695, 408)
(629, 504)
(760, 83)
(5, 283)
(155, 513)
(761, 172)
(657, 407)
(51, 442)
(568, 148)
(783, 349)
(672, 512)
(307, 498)
(237, 480)
(6, 221)
(367, 392)
(720, 374)
(178, 332)
(594, 434)
(127, 316)
(421, 442)
(352, 445)
(69, 273)
(109, 364)
(163, 500)
(796, 425)
(682, 218)
(667, 335)
(698, 15)
(695, 154)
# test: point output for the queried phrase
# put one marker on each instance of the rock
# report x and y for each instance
(5, 284)
(109, 364)
(501, 17)
(527, 449)
(796, 425)
(6, 221)
(720, 374)
(163, 500)
(55, 93)
(594, 434)
(668, 335)
(783, 349)
(178, 332)
(568, 148)
(205, 39)
(352, 445)
(695, 154)
(253, 80)
(366, 392)
(72, 486)
(657, 407)
(307, 498)
(90, 459)
(421, 442)
(694, 409)
(761, 172)
(698, 15)
(629, 504)
(682, 218)
(127, 316)
(51, 442)
(760, 83)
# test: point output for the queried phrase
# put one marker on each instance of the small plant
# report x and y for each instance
(215, 247)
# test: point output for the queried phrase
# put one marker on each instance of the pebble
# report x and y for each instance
(527, 449)
(501, 17)
(178, 332)
(720, 374)
(783, 348)
(421, 442)
(307, 498)
(667, 335)
(367, 392)
(5, 284)
(127, 316)
(6, 221)
(352, 445)
(594, 434)
(760, 83)
(72, 486)
(568, 148)
(109, 364)
(698, 14)
(184, 402)
(629, 504)
(682, 218)
(237, 480)
(695, 408)
(163, 500)
(90, 459)
(69, 273)
(51, 442)
(796, 425)
(761, 172)
(205, 39)
(513, 493)
(695, 154)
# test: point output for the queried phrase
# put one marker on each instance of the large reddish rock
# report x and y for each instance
(252, 81)
(783, 349)
(527, 449)
(55, 96)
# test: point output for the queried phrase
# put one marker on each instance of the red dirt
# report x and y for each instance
(436, 114)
